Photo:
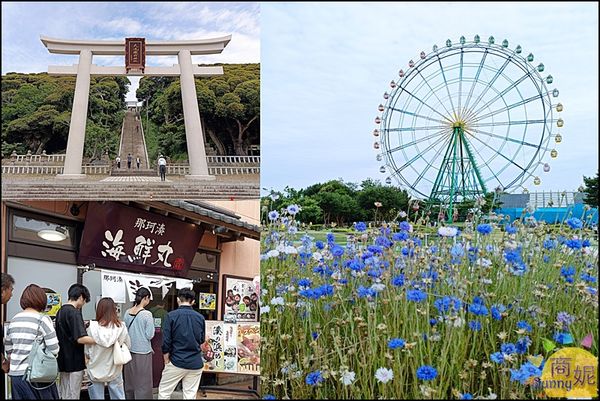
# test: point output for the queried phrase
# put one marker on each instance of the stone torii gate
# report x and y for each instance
(184, 49)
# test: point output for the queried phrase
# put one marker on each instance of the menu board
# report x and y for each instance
(233, 348)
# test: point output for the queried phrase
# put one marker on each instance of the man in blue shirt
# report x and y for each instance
(183, 342)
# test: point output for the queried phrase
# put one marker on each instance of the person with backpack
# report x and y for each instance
(23, 331)
(106, 330)
(137, 374)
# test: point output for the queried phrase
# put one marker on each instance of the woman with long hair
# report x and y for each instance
(101, 369)
(140, 325)
(23, 330)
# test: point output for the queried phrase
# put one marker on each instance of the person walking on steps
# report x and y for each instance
(138, 162)
(118, 160)
(162, 167)
(129, 160)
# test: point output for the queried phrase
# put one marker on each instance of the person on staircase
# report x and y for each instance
(162, 167)
(138, 162)
(129, 160)
(118, 160)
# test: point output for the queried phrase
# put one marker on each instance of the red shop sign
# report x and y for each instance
(126, 238)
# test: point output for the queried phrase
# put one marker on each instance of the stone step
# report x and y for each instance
(133, 172)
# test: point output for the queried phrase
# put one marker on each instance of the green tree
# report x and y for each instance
(591, 191)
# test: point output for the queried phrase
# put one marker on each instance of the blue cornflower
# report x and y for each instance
(374, 273)
(508, 348)
(574, 243)
(457, 250)
(315, 335)
(586, 242)
(273, 215)
(426, 372)
(433, 321)
(405, 226)
(330, 238)
(314, 378)
(568, 272)
(574, 223)
(376, 249)
(588, 278)
(485, 229)
(416, 295)
(466, 396)
(396, 343)
(398, 281)
(526, 371)
(475, 325)
(401, 236)
(384, 242)
(497, 311)
(444, 304)
(522, 324)
(319, 244)
(364, 292)
(293, 209)
(337, 250)
(549, 244)
(478, 309)
(304, 282)
(522, 345)
(509, 228)
(497, 357)
(360, 226)
(269, 397)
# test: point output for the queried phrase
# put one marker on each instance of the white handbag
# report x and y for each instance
(121, 354)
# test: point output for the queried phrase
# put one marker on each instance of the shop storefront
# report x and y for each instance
(115, 247)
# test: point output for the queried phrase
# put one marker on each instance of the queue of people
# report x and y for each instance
(79, 347)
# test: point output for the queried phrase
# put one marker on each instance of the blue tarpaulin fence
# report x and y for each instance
(554, 214)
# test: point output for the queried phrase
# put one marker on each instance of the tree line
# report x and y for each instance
(36, 113)
(229, 107)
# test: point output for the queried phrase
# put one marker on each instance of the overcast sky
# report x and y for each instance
(326, 66)
(24, 22)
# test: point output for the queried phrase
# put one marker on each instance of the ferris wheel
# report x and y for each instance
(466, 119)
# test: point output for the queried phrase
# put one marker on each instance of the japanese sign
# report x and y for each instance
(240, 299)
(113, 286)
(135, 54)
(119, 236)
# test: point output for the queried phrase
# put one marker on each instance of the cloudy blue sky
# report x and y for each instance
(24, 22)
(326, 66)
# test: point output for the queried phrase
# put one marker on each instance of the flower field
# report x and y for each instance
(395, 314)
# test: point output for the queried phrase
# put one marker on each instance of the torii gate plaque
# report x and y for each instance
(184, 49)
(135, 55)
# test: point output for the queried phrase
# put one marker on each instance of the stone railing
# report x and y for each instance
(90, 169)
(53, 164)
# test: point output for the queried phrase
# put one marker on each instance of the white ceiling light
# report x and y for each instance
(57, 234)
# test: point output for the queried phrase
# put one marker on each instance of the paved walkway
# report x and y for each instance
(134, 179)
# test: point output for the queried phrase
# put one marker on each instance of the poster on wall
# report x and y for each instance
(240, 299)
(213, 358)
(53, 303)
(230, 347)
(248, 348)
(207, 301)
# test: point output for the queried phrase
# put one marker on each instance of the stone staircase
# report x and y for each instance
(132, 142)
(126, 190)
(122, 172)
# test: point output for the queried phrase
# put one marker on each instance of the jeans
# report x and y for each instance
(115, 389)
(22, 390)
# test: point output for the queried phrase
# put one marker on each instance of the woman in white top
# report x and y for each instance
(106, 330)
(23, 329)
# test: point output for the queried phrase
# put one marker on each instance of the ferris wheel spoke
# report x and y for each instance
(500, 123)
(425, 104)
(504, 92)
(460, 79)
(512, 106)
(417, 115)
(404, 129)
(421, 154)
(446, 84)
(490, 83)
(414, 184)
(433, 91)
(475, 80)
(504, 138)
(417, 141)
